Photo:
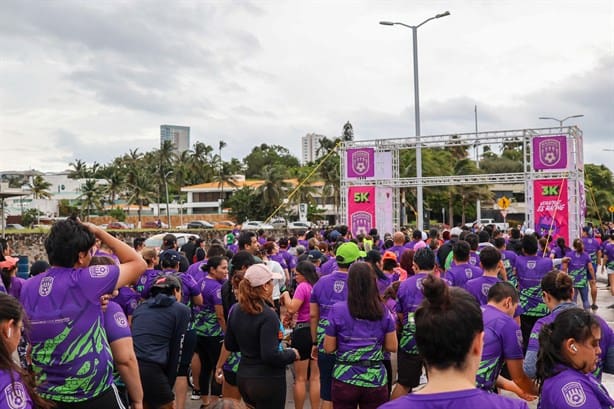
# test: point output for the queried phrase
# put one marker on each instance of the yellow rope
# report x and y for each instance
(303, 182)
(558, 199)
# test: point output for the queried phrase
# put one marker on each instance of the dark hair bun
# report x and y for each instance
(436, 292)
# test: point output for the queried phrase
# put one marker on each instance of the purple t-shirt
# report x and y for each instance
(459, 274)
(328, 267)
(189, 286)
(146, 278)
(13, 393)
(530, 270)
(70, 350)
(128, 299)
(502, 340)
(359, 346)
(577, 268)
(573, 389)
(409, 297)
(116, 323)
(288, 258)
(479, 286)
(398, 250)
(195, 271)
(606, 342)
(206, 322)
(465, 399)
(509, 260)
(591, 246)
(16, 285)
(607, 248)
(303, 293)
(328, 290)
(280, 259)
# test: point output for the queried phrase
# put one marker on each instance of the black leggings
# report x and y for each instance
(208, 349)
(263, 392)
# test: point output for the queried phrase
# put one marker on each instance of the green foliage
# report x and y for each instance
(118, 214)
(599, 183)
(65, 209)
(30, 217)
(246, 204)
(265, 155)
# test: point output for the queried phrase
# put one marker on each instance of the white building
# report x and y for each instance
(310, 144)
(178, 135)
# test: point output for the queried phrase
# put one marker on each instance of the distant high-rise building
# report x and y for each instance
(309, 147)
(178, 135)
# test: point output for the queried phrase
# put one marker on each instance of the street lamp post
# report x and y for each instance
(560, 121)
(168, 213)
(414, 29)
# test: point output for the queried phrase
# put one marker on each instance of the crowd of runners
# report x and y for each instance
(406, 319)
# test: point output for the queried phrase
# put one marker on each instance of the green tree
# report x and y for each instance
(274, 188)
(245, 204)
(348, 132)
(599, 184)
(91, 197)
(115, 185)
(141, 192)
(265, 155)
(79, 169)
(40, 188)
(30, 217)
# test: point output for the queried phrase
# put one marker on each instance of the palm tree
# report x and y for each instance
(200, 163)
(79, 170)
(141, 192)
(274, 187)
(40, 188)
(90, 197)
(115, 184)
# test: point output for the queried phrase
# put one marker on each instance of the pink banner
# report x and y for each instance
(551, 210)
(361, 209)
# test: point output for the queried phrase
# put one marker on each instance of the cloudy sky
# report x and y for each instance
(91, 80)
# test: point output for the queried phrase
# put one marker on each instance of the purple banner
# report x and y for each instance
(360, 163)
(550, 152)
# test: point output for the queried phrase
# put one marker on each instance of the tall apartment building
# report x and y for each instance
(309, 147)
(178, 135)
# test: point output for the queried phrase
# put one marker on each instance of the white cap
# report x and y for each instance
(424, 236)
(456, 231)
(528, 232)
(259, 274)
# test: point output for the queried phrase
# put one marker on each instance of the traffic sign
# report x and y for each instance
(611, 209)
(503, 202)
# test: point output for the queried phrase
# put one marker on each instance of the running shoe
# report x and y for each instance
(195, 394)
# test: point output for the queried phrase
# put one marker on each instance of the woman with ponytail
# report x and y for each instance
(16, 385)
(255, 330)
(568, 353)
(450, 336)
(558, 292)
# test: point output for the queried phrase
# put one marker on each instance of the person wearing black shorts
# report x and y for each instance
(159, 326)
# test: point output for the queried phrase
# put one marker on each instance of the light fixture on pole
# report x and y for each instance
(560, 121)
(168, 213)
(414, 29)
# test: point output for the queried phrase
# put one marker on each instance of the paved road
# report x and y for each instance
(604, 299)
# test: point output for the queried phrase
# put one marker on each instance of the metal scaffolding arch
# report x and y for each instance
(574, 173)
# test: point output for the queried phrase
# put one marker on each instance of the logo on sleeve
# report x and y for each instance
(99, 271)
(120, 319)
(519, 337)
(15, 395)
(45, 286)
(573, 394)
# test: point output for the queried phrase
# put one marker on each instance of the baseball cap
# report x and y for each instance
(315, 255)
(230, 238)
(348, 253)
(389, 255)
(528, 232)
(166, 281)
(456, 231)
(171, 256)
(259, 274)
(9, 262)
